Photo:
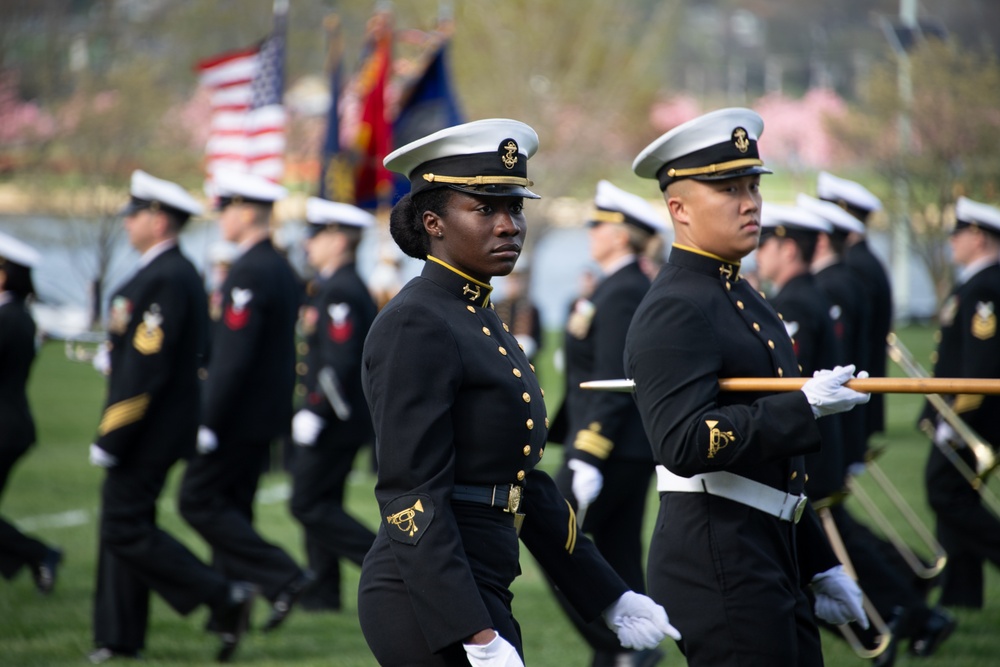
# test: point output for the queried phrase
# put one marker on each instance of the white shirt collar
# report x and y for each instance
(969, 270)
(156, 251)
(617, 265)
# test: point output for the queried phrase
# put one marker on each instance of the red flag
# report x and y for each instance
(374, 137)
(248, 117)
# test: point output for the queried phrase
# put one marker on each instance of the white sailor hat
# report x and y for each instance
(237, 187)
(849, 195)
(484, 157)
(782, 221)
(841, 220)
(614, 205)
(322, 213)
(149, 192)
(969, 213)
(17, 252)
(718, 145)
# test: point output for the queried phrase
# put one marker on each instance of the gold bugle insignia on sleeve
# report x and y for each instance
(123, 413)
(717, 438)
(404, 518)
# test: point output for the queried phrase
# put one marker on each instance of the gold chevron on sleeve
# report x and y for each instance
(123, 413)
(591, 441)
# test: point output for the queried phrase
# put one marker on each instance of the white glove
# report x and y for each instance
(838, 598)
(639, 622)
(101, 459)
(528, 344)
(857, 469)
(207, 440)
(306, 426)
(827, 394)
(587, 482)
(102, 359)
(944, 435)
(498, 653)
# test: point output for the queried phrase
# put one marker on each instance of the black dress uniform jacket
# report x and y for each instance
(878, 292)
(729, 574)
(248, 394)
(606, 431)
(336, 322)
(17, 427)
(248, 403)
(455, 402)
(969, 347)
(158, 331)
(596, 354)
(852, 322)
(805, 312)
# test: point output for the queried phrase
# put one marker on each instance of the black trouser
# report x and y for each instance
(968, 531)
(729, 578)
(614, 522)
(16, 548)
(320, 477)
(136, 556)
(216, 498)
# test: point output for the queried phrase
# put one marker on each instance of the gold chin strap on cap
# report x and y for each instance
(613, 217)
(715, 168)
(478, 180)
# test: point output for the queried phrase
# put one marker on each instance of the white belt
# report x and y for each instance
(785, 506)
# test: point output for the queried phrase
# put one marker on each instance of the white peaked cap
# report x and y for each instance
(975, 213)
(836, 216)
(18, 252)
(792, 217)
(230, 184)
(325, 212)
(836, 189)
(485, 157)
(633, 208)
(718, 145)
(147, 188)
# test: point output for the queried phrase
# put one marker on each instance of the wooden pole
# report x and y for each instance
(867, 385)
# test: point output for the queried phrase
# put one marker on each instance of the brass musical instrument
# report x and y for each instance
(916, 564)
(986, 460)
(847, 630)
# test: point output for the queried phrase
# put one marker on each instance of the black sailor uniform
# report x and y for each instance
(457, 410)
(968, 347)
(730, 576)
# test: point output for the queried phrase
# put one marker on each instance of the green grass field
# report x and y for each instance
(54, 495)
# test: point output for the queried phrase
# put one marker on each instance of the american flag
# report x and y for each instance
(248, 117)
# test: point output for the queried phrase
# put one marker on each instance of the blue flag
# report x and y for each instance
(336, 179)
(428, 106)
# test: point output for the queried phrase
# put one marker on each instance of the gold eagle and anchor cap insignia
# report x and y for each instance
(484, 157)
(719, 145)
(407, 518)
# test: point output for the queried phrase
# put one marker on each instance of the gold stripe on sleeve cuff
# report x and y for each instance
(967, 402)
(593, 443)
(123, 413)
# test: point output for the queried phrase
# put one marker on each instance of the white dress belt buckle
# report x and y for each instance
(784, 506)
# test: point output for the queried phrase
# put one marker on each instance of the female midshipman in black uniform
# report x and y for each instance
(460, 425)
